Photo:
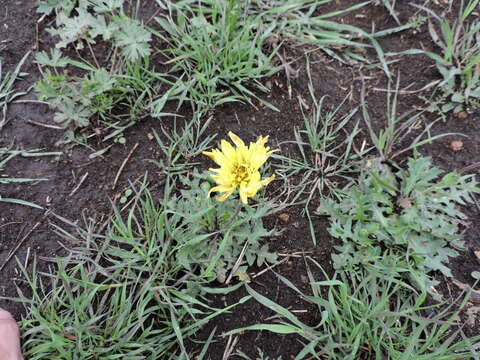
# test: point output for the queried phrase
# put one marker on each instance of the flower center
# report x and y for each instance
(240, 174)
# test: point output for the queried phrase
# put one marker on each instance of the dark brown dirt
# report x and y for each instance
(18, 35)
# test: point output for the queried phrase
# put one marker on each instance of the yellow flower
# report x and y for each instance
(239, 167)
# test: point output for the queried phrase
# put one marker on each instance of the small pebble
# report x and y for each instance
(456, 145)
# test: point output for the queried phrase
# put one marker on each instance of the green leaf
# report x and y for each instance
(475, 275)
(55, 59)
(100, 27)
(133, 38)
(49, 6)
(107, 6)
(20, 202)
(275, 328)
(72, 114)
(73, 28)
(277, 308)
(457, 97)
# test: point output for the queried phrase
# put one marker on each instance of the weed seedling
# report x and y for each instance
(458, 63)
(412, 213)
(398, 128)
(116, 92)
(7, 94)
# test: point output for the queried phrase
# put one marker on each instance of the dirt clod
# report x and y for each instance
(456, 145)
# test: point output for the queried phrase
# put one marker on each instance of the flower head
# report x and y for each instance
(239, 167)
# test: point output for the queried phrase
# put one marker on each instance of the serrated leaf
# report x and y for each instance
(200, 215)
(49, 6)
(69, 112)
(369, 225)
(100, 27)
(107, 6)
(242, 274)
(133, 39)
(458, 97)
(73, 28)
(55, 59)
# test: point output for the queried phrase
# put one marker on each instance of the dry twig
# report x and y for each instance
(123, 165)
(44, 125)
(79, 184)
(18, 245)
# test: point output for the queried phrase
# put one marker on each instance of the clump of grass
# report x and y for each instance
(218, 48)
(458, 61)
(296, 22)
(182, 144)
(399, 127)
(86, 316)
(119, 292)
(369, 314)
(326, 150)
(218, 51)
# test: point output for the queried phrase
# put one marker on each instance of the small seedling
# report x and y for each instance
(120, 140)
(7, 94)
(126, 195)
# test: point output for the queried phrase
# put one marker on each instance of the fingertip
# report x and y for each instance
(5, 315)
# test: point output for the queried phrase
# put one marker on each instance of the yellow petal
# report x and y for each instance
(262, 140)
(216, 155)
(268, 180)
(236, 140)
(224, 196)
(243, 196)
(223, 180)
(210, 154)
(221, 189)
(228, 151)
